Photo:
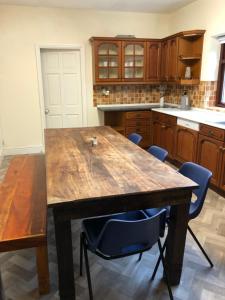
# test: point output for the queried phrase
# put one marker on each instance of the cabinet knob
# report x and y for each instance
(210, 132)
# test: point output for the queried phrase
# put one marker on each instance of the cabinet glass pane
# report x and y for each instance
(103, 61)
(129, 72)
(129, 50)
(113, 61)
(113, 49)
(103, 49)
(129, 61)
(103, 73)
(139, 50)
(113, 73)
(139, 73)
(139, 61)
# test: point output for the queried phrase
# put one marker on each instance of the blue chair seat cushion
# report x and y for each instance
(92, 227)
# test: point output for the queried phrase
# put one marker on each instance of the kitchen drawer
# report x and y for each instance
(138, 115)
(163, 118)
(137, 122)
(212, 132)
(170, 120)
(158, 116)
(138, 129)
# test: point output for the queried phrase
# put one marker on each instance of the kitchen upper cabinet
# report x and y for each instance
(164, 61)
(107, 66)
(133, 61)
(172, 59)
(209, 156)
(186, 144)
(144, 61)
(153, 61)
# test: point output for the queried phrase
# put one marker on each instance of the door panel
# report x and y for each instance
(186, 144)
(222, 169)
(209, 156)
(62, 88)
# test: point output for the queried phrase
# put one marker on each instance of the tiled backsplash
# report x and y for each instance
(202, 95)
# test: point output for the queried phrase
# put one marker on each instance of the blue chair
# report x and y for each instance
(121, 235)
(158, 152)
(135, 138)
(202, 177)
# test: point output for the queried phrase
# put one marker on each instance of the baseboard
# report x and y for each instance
(23, 150)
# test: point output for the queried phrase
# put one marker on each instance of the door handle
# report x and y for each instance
(46, 111)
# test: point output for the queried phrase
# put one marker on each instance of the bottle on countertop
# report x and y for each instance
(184, 102)
(161, 101)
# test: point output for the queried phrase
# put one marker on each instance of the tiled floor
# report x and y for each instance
(125, 279)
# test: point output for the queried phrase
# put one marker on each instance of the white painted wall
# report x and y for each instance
(208, 15)
(21, 28)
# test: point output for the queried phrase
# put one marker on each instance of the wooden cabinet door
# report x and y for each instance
(164, 61)
(222, 169)
(133, 61)
(209, 156)
(168, 136)
(157, 134)
(172, 59)
(153, 61)
(186, 144)
(107, 61)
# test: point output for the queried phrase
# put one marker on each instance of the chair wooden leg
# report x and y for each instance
(200, 246)
(42, 269)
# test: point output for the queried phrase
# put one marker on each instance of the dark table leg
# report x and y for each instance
(176, 242)
(64, 257)
(2, 294)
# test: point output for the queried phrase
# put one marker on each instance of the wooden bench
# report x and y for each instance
(23, 211)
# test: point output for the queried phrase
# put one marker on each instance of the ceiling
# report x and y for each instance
(155, 6)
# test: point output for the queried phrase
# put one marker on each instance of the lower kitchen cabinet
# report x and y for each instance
(164, 129)
(186, 144)
(209, 156)
(222, 169)
(127, 122)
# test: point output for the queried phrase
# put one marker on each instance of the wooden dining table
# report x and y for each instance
(113, 176)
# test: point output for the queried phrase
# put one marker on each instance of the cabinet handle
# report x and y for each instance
(163, 126)
(210, 133)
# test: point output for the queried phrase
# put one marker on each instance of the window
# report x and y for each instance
(221, 78)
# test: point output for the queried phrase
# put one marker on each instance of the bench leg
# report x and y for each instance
(42, 269)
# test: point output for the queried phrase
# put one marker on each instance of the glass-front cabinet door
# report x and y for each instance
(108, 61)
(133, 62)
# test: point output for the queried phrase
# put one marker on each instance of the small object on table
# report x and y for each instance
(94, 141)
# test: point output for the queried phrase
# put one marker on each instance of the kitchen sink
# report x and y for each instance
(220, 122)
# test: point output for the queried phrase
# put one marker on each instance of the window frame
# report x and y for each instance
(221, 74)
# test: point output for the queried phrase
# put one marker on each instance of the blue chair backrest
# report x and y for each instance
(135, 138)
(122, 237)
(202, 177)
(158, 152)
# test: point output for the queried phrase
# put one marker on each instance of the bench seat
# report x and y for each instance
(23, 211)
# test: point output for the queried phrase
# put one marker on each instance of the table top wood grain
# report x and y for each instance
(23, 203)
(78, 171)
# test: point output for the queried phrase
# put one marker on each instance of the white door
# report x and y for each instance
(61, 72)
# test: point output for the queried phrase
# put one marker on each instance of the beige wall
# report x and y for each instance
(203, 14)
(21, 28)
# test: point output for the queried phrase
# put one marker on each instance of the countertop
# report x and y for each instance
(203, 116)
(124, 107)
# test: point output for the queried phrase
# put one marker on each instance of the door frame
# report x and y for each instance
(79, 47)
